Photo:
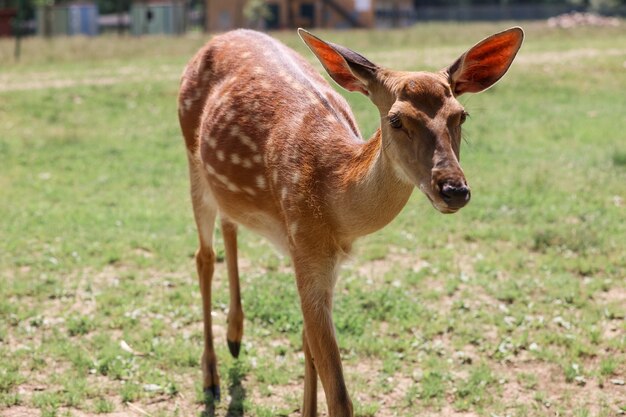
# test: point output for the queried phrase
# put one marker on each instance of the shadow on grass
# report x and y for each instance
(236, 392)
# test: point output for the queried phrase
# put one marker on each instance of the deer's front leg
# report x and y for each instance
(205, 259)
(309, 407)
(316, 279)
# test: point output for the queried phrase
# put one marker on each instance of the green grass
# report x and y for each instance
(514, 306)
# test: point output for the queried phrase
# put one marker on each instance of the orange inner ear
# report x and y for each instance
(502, 46)
(487, 62)
(335, 65)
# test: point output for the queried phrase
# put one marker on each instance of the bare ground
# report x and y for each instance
(555, 391)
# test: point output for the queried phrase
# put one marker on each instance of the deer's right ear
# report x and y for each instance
(349, 69)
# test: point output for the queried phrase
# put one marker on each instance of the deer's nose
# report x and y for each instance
(455, 195)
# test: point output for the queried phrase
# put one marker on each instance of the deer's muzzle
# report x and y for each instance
(455, 195)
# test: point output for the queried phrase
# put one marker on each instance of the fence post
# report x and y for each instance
(17, 27)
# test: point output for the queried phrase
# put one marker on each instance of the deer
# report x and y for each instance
(274, 148)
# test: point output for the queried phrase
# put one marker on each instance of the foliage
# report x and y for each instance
(257, 12)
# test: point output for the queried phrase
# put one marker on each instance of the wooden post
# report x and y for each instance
(17, 27)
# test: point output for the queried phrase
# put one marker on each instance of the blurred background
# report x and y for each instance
(175, 17)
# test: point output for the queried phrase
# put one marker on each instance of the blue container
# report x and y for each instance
(83, 19)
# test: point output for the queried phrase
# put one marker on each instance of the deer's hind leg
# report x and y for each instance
(205, 211)
(235, 312)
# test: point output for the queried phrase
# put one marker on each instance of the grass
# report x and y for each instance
(514, 306)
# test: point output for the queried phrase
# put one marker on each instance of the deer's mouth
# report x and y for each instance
(444, 209)
(438, 203)
(447, 210)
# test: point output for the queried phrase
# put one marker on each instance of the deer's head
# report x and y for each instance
(421, 117)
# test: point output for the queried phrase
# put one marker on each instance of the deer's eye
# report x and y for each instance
(464, 116)
(395, 121)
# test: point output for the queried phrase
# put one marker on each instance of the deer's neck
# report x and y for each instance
(370, 192)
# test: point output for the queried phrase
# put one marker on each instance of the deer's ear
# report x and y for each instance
(485, 63)
(349, 69)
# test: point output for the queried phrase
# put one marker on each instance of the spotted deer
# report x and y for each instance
(274, 148)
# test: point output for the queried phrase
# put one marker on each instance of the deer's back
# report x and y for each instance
(246, 78)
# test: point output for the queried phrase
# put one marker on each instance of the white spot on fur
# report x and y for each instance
(246, 54)
(260, 182)
(223, 179)
(220, 155)
(228, 116)
(246, 163)
(257, 158)
(312, 97)
(249, 190)
(187, 103)
(296, 177)
(212, 143)
(232, 187)
(284, 194)
(295, 85)
(286, 77)
(234, 131)
(293, 228)
(234, 158)
(224, 98)
(248, 142)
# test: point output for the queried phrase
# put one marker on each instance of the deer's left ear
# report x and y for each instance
(349, 69)
(485, 63)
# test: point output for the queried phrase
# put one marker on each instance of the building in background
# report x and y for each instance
(7, 16)
(222, 15)
(156, 17)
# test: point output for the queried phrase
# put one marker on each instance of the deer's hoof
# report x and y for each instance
(212, 394)
(234, 348)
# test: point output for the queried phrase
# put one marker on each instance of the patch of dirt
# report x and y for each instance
(20, 411)
(179, 406)
(615, 295)
(448, 411)
(554, 390)
(376, 269)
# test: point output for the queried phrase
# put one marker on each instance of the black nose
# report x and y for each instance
(455, 195)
